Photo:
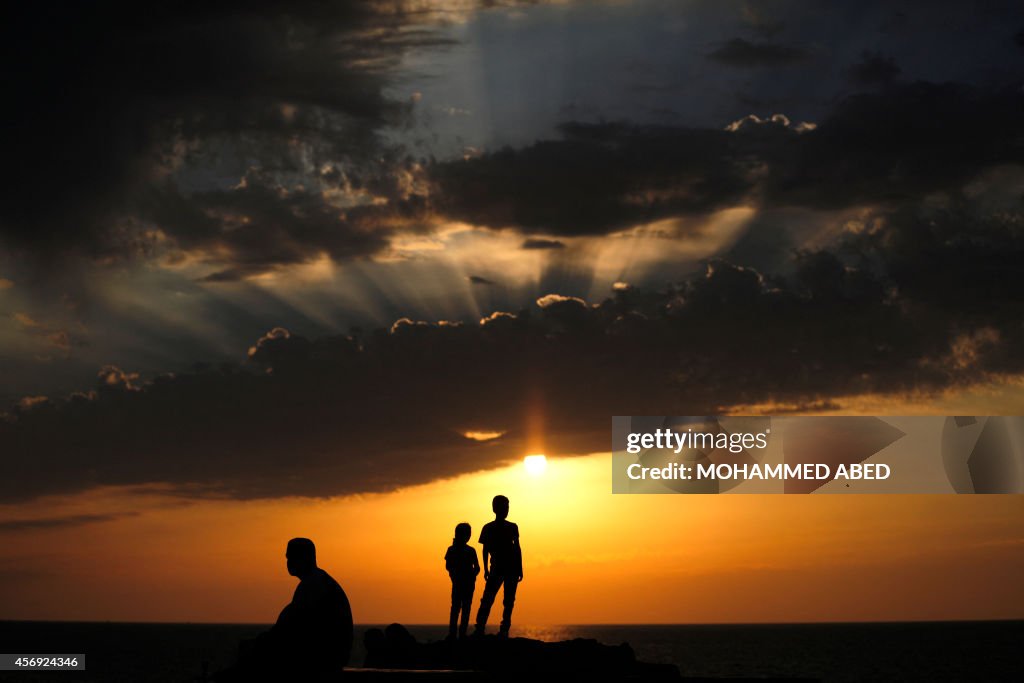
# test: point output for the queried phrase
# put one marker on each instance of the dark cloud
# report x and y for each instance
(743, 53)
(128, 135)
(758, 19)
(36, 524)
(597, 178)
(896, 146)
(49, 339)
(258, 226)
(873, 68)
(953, 256)
(895, 23)
(107, 104)
(538, 243)
(887, 147)
(923, 300)
(10, 574)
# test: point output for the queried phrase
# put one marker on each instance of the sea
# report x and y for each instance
(181, 653)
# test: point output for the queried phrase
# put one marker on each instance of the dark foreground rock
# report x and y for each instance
(509, 658)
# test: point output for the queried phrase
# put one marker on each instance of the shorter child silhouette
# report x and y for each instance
(462, 565)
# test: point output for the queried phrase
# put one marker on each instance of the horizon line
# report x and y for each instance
(562, 625)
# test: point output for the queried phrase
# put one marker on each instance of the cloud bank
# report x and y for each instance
(922, 301)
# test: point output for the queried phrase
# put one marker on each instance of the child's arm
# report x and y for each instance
(517, 548)
(487, 568)
(476, 564)
(449, 562)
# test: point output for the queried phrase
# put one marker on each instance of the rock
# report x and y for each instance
(396, 648)
(392, 648)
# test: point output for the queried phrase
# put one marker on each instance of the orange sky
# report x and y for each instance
(447, 215)
(591, 557)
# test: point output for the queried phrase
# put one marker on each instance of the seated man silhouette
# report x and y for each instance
(503, 566)
(312, 639)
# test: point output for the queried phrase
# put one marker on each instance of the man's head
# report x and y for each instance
(500, 507)
(301, 556)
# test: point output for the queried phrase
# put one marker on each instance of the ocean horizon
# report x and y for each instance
(838, 651)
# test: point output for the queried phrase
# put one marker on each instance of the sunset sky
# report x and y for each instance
(334, 269)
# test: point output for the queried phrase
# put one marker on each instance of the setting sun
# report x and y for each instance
(536, 465)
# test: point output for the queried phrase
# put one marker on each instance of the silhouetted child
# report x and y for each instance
(462, 565)
(503, 566)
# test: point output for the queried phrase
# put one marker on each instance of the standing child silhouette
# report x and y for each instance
(503, 566)
(462, 565)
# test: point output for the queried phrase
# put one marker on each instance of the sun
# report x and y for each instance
(535, 464)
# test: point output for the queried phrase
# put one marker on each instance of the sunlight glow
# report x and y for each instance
(536, 465)
(482, 435)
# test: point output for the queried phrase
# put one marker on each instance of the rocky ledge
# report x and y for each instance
(395, 649)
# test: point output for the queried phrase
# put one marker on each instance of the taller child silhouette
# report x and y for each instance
(503, 566)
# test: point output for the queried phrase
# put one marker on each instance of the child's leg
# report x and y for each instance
(508, 601)
(453, 615)
(467, 605)
(487, 599)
